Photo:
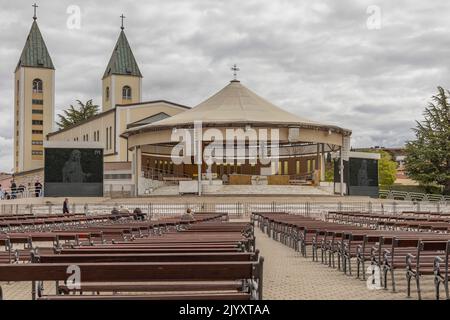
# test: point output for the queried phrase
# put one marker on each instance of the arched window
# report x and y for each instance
(126, 93)
(107, 93)
(37, 86)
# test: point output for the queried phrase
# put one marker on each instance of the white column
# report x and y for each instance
(322, 163)
(198, 156)
(341, 172)
(136, 167)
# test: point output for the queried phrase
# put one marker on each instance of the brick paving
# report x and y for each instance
(290, 276)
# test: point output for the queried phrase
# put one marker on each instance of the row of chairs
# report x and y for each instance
(414, 221)
(339, 245)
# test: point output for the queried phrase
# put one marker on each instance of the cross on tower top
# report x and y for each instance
(235, 69)
(35, 6)
(122, 17)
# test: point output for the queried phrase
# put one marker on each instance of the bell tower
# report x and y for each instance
(34, 101)
(122, 80)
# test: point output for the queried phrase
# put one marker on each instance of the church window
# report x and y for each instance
(37, 101)
(37, 86)
(37, 122)
(36, 111)
(126, 93)
(107, 93)
(110, 137)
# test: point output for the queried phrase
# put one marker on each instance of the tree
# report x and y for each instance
(387, 169)
(75, 115)
(428, 157)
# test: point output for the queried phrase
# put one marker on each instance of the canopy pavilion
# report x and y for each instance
(303, 145)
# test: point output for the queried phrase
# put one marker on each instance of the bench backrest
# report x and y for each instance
(131, 272)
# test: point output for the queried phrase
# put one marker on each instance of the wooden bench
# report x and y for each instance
(249, 272)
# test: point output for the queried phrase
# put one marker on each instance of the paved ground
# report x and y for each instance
(288, 275)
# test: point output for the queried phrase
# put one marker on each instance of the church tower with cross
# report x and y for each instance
(122, 80)
(34, 101)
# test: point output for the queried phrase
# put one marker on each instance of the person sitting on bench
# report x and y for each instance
(115, 213)
(138, 214)
(188, 215)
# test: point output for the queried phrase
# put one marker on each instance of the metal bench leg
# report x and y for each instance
(408, 285)
(437, 284)
(446, 288)
(350, 265)
(385, 272)
(338, 260)
(358, 265)
(419, 293)
(363, 267)
(393, 279)
(33, 290)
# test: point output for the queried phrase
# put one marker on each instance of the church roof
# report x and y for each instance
(35, 53)
(122, 60)
(235, 104)
(156, 117)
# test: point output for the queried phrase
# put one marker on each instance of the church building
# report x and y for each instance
(122, 107)
(136, 135)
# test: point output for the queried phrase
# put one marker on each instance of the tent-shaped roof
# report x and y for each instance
(35, 53)
(122, 60)
(235, 104)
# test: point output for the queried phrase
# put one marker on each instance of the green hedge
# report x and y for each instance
(418, 189)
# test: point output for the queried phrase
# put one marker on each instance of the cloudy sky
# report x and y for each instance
(370, 66)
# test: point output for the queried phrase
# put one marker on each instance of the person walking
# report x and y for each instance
(13, 189)
(37, 188)
(66, 206)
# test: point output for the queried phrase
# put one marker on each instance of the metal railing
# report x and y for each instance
(411, 196)
(21, 192)
(160, 174)
(236, 210)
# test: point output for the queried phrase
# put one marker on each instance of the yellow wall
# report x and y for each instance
(115, 84)
(100, 124)
(106, 103)
(119, 118)
(23, 116)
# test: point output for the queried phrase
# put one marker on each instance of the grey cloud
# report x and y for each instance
(315, 58)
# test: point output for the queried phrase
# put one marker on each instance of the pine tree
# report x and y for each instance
(75, 115)
(428, 157)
